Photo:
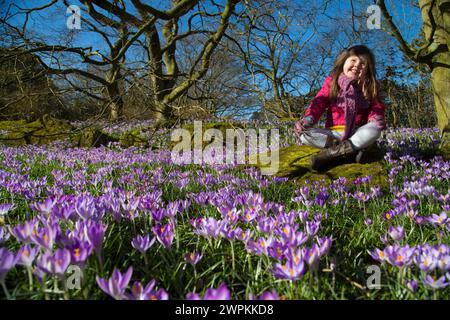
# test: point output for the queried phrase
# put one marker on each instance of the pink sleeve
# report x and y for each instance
(376, 113)
(320, 102)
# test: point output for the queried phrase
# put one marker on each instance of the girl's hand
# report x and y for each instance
(298, 128)
(303, 124)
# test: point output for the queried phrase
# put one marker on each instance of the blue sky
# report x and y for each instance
(51, 24)
(54, 21)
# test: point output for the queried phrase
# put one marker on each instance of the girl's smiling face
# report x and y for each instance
(355, 67)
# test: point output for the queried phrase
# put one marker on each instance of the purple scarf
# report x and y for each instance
(350, 98)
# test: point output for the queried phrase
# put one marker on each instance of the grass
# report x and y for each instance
(342, 273)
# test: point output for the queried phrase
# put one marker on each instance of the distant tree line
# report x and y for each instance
(193, 59)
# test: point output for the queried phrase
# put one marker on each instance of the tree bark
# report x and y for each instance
(436, 26)
(115, 102)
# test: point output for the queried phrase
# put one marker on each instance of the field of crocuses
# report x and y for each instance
(108, 222)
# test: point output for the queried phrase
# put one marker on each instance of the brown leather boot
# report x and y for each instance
(331, 141)
(334, 154)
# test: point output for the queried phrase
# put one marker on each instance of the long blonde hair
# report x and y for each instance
(369, 86)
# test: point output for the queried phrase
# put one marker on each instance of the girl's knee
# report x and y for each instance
(377, 133)
(371, 130)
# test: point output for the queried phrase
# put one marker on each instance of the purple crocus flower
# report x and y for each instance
(378, 255)
(412, 285)
(64, 210)
(55, 264)
(375, 192)
(262, 244)
(389, 215)
(197, 222)
(164, 233)
(221, 293)
(439, 220)
(266, 295)
(26, 254)
(114, 207)
(324, 245)
(435, 283)
(303, 192)
(138, 292)
(80, 251)
(308, 203)
(321, 198)
(7, 261)
(192, 257)
(444, 262)
(362, 180)
(130, 206)
(361, 196)
(368, 222)
(173, 208)
(277, 250)
(312, 227)
(116, 285)
(443, 249)
(192, 296)
(419, 219)
(426, 261)
(230, 214)
(142, 243)
(95, 232)
(208, 227)
(243, 236)
(23, 232)
(396, 233)
(286, 232)
(45, 237)
(265, 224)
(411, 213)
(252, 199)
(290, 270)
(249, 214)
(298, 239)
(230, 233)
(85, 207)
(399, 256)
(269, 295)
(5, 208)
(44, 207)
(385, 239)
(303, 215)
(312, 257)
(39, 273)
(158, 214)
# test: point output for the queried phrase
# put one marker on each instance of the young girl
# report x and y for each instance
(355, 113)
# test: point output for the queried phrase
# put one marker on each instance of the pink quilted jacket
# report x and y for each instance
(335, 114)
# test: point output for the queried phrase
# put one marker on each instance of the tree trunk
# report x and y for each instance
(440, 77)
(115, 102)
(115, 111)
(436, 29)
(160, 112)
(157, 78)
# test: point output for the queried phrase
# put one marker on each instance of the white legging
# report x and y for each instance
(362, 138)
